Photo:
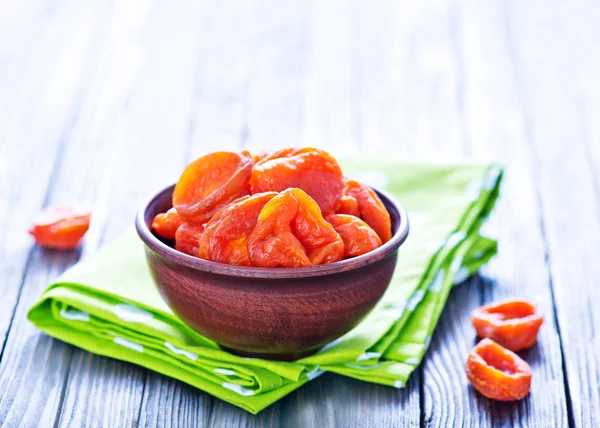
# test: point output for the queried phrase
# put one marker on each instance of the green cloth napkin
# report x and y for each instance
(108, 304)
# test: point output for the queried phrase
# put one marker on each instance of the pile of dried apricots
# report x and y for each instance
(289, 208)
(493, 367)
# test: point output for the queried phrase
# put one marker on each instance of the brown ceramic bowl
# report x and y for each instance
(273, 313)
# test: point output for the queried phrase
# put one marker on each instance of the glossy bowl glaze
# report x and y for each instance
(273, 313)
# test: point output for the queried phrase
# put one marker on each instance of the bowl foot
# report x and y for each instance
(287, 356)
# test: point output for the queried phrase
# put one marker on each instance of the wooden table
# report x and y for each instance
(102, 102)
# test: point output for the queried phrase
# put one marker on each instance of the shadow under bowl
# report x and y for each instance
(273, 313)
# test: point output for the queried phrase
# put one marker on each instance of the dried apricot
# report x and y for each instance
(166, 224)
(60, 227)
(257, 157)
(314, 171)
(224, 239)
(357, 235)
(211, 182)
(348, 205)
(291, 232)
(514, 324)
(371, 209)
(277, 154)
(187, 238)
(497, 372)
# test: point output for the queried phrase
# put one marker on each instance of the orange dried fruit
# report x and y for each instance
(259, 156)
(187, 238)
(166, 224)
(497, 372)
(211, 182)
(514, 324)
(357, 235)
(291, 232)
(60, 227)
(224, 239)
(348, 205)
(370, 207)
(277, 154)
(314, 171)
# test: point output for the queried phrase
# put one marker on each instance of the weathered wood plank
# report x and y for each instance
(337, 401)
(489, 97)
(435, 77)
(38, 97)
(276, 70)
(219, 118)
(437, 129)
(520, 268)
(40, 111)
(381, 48)
(550, 74)
(330, 103)
(448, 400)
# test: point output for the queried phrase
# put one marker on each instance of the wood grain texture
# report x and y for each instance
(521, 267)
(336, 401)
(490, 96)
(32, 365)
(168, 403)
(565, 178)
(438, 129)
(44, 100)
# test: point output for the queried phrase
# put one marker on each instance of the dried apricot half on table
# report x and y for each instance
(187, 238)
(357, 235)
(60, 227)
(370, 208)
(166, 224)
(497, 372)
(224, 239)
(211, 182)
(291, 232)
(514, 324)
(314, 171)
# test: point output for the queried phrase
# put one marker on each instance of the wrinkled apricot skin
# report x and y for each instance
(514, 324)
(370, 207)
(211, 182)
(61, 228)
(224, 240)
(314, 171)
(277, 154)
(348, 205)
(497, 372)
(187, 238)
(357, 235)
(166, 224)
(291, 232)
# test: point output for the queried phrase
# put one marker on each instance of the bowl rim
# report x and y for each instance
(164, 250)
